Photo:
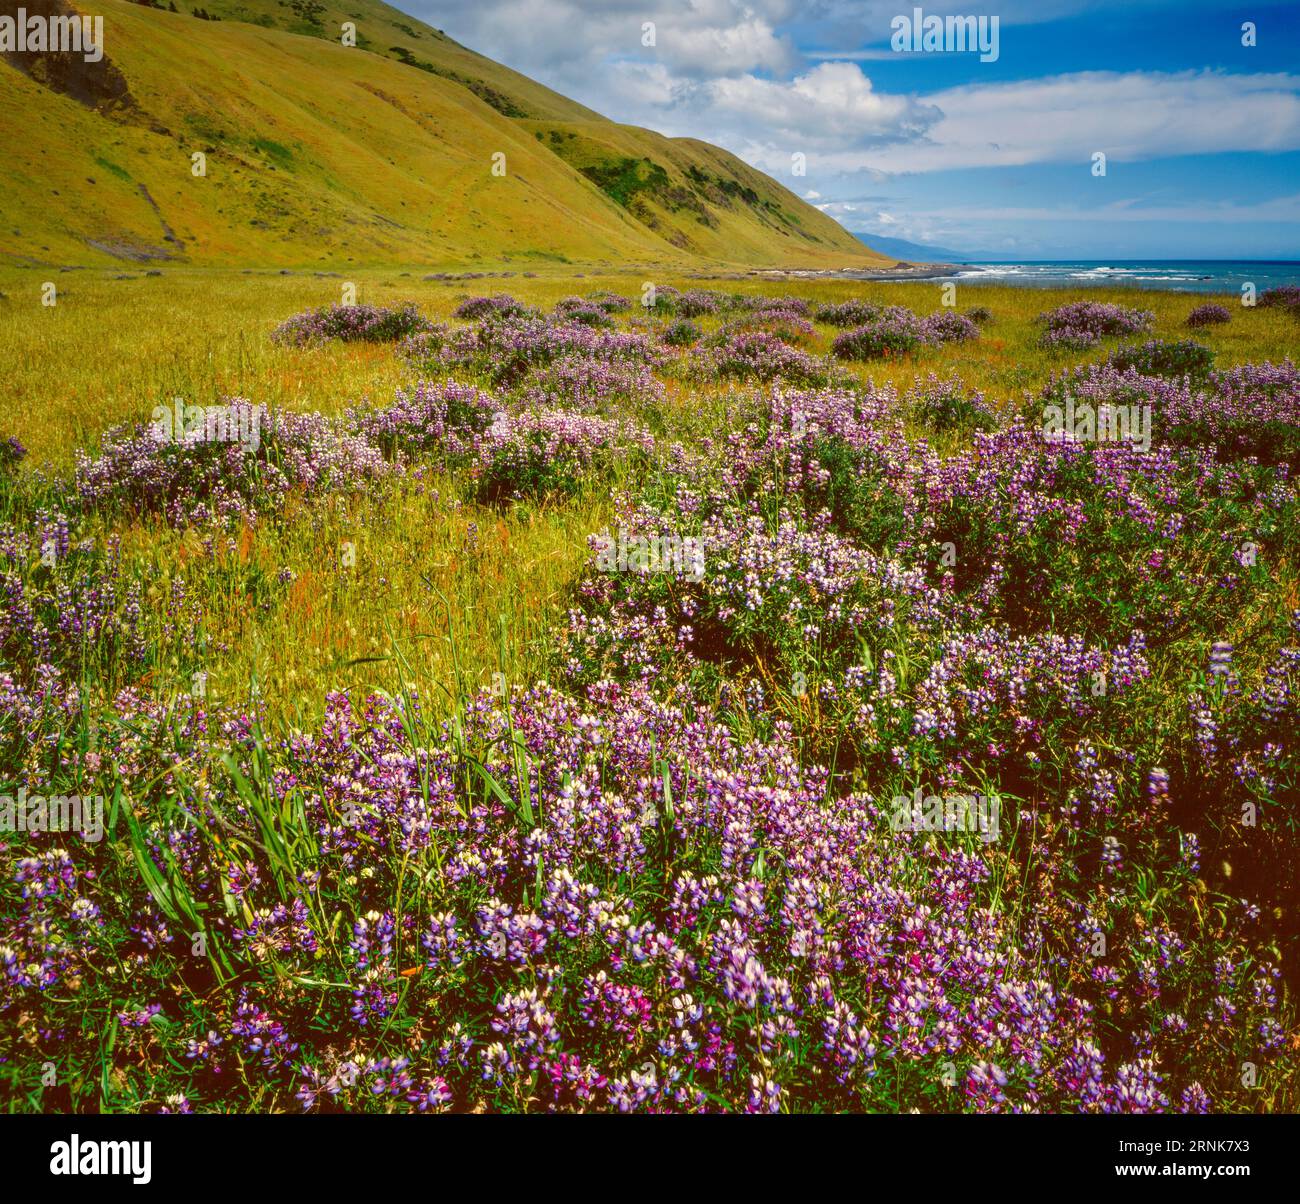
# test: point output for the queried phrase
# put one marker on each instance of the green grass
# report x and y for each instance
(122, 346)
(112, 349)
(444, 593)
(320, 153)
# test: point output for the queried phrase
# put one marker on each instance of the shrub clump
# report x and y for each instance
(1083, 324)
(948, 327)
(351, 324)
(547, 453)
(1208, 315)
(1160, 358)
(895, 331)
(846, 314)
(500, 305)
(1285, 296)
(681, 333)
(583, 311)
(760, 355)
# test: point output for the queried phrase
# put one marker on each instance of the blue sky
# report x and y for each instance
(1201, 133)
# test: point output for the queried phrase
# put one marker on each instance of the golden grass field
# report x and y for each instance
(112, 348)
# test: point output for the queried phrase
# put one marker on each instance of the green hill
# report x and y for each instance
(319, 153)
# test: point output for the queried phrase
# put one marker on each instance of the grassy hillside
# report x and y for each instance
(323, 154)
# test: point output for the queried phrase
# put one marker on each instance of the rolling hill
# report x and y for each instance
(317, 153)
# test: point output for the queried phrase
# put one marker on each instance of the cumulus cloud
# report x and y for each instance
(577, 42)
(727, 71)
(748, 75)
(834, 112)
(1129, 116)
(746, 42)
(833, 106)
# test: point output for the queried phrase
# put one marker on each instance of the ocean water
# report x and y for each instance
(1188, 275)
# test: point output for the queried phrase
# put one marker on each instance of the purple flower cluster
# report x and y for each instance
(848, 313)
(1284, 296)
(73, 605)
(760, 355)
(496, 307)
(628, 909)
(1208, 315)
(588, 383)
(351, 324)
(227, 481)
(893, 331)
(545, 452)
(948, 326)
(1082, 324)
(12, 453)
(1251, 410)
(697, 303)
(582, 311)
(507, 351)
(430, 418)
(786, 324)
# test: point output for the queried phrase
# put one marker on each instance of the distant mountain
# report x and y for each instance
(915, 252)
(248, 132)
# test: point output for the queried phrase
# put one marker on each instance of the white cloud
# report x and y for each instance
(1276, 209)
(830, 107)
(748, 43)
(929, 225)
(580, 46)
(1130, 116)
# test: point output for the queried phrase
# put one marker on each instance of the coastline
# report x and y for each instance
(902, 270)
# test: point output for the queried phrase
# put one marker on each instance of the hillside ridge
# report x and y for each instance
(251, 134)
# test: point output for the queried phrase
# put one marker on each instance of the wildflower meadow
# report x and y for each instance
(684, 696)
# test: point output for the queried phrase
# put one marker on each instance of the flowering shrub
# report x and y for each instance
(583, 383)
(1084, 323)
(1159, 358)
(896, 331)
(681, 333)
(500, 305)
(848, 313)
(424, 349)
(430, 418)
(584, 312)
(351, 324)
(611, 303)
(827, 488)
(949, 403)
(1208, 315)
(196, 479)
(1285, 296)
(760, 355)
(796, 306)
(698, 302)
(507, 351)
(662, 301)
(1251, 410)
(546, 452)
(947, 326)
(786, 325)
